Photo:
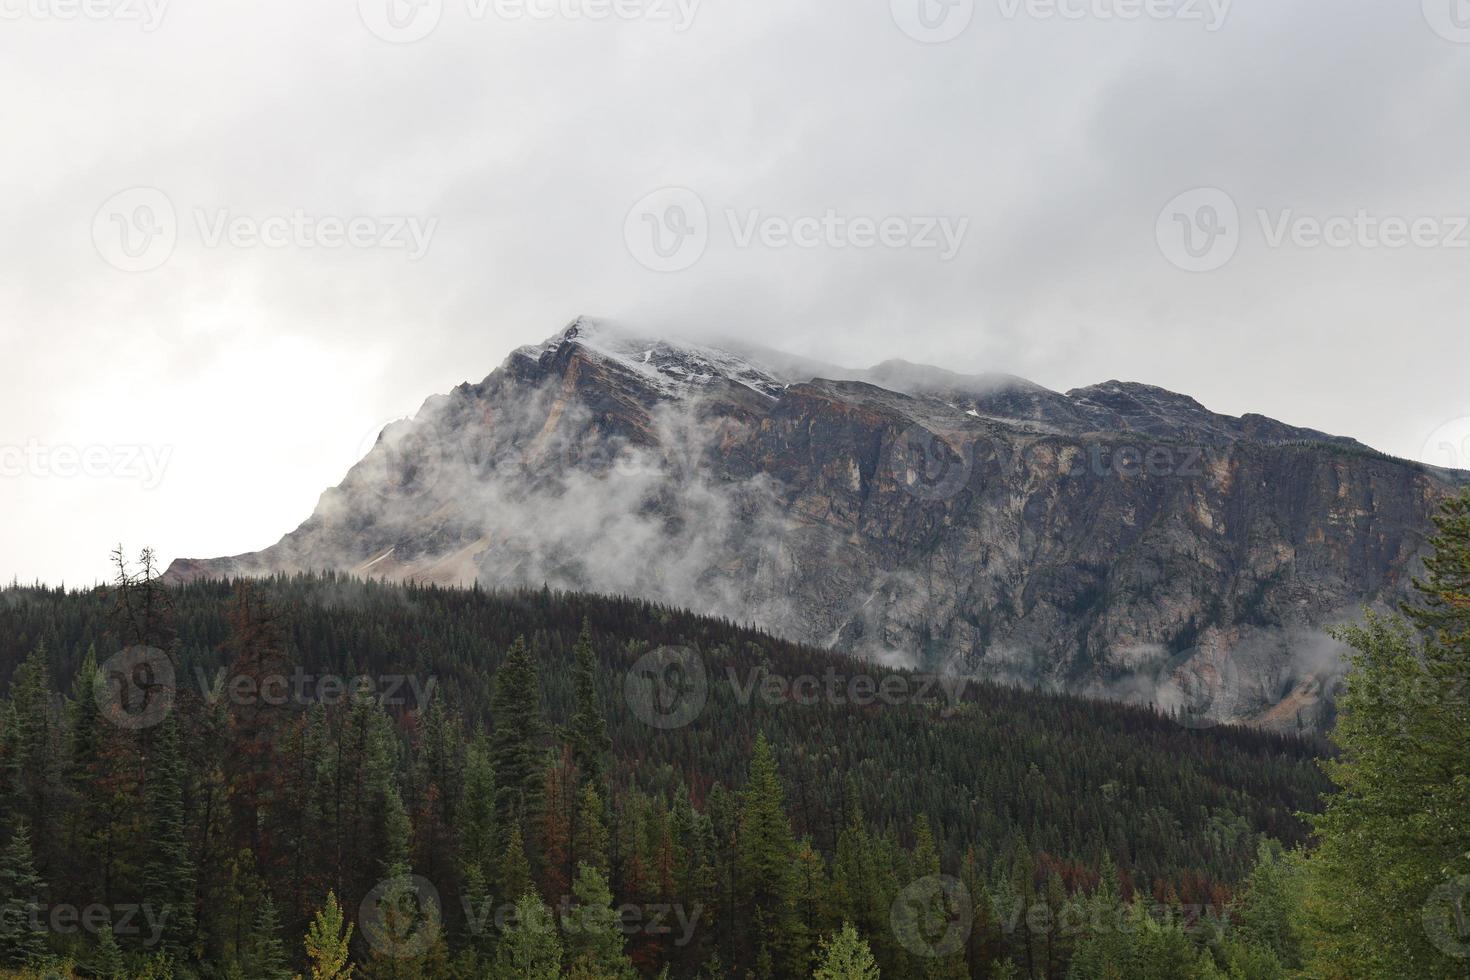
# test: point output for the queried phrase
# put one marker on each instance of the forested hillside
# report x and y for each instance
(227, 775)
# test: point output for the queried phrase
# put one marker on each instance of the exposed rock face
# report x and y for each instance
(1118, 539)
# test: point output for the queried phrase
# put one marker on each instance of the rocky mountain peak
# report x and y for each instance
(907, 513)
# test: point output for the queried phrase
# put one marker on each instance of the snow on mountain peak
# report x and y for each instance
(674, 368)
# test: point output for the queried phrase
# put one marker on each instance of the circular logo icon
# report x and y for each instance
(929, 467)
(668, 230)
(1198, 688)
(667, 688)
(1449, 445)
(400, 917)
(405, 459)
(135, 688)
(933, 916)
(1199, 231)
(933, 21)
(1450, 19)
(401, 21)
(1446, 919)
(136, 230)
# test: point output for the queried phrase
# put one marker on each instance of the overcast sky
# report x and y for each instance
(988, 185)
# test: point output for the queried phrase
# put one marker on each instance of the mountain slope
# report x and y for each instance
(1118, 539)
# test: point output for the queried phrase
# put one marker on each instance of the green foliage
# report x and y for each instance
(595, 944)
(845, 957)
(1385, 885)
(587, 732)
(22, 938)
(328, 943)
(531, 949)
(515, 753)
(766, 825)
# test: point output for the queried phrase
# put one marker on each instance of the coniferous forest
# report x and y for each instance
(327, 777)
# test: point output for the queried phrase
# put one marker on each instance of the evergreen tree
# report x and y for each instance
(1385, 882)
(475, 816)
(515, 751)
(530, 949)
(513, 874)
(22, 937)
(106, 960)
(595, 943)
(591, 832)
(845, 957)
(328, 943)
(767, 856)
(264, 954)
(168, 878)
(33, 773)
(587, 732)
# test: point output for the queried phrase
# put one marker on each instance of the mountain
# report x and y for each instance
(1117, 540)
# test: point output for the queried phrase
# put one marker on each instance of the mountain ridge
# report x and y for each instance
(1110, 540)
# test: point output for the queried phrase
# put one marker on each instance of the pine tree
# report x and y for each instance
(106, 961)
(513, 874)
(767, 856)
(587, 732)
(846, 957)
(515, 753)
(595, 943)
(328, 943)
(33, 773)
(530, 949)
(168, 878)
(264, 954)
(475, 815)
(591, 833)
(22, 939)
(1394, 847)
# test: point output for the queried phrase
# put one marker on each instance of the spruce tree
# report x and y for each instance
(168, 878)
(530, 949)
(475, 815)
(766, 872)
(591, 831)
(513, 874)
(33, 773)
(845, 957)
(595, 943)
(1385, 884)
(106, 960)
(264, 954)
(587, 732)
(22, 937)
(515, 752)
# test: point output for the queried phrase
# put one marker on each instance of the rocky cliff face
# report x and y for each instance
(1118, 540)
